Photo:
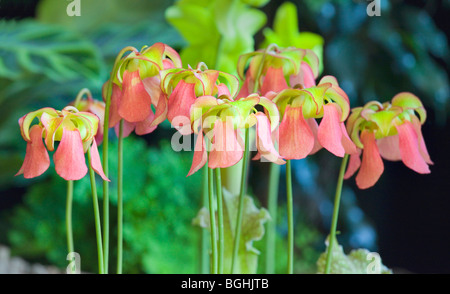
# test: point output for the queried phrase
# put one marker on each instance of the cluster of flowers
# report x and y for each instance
(279, 96)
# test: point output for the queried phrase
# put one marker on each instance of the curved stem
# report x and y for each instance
(105, 156)
(243, 192)
(204, 257)
(69, 232)
(84, 91)
(220, 219)
(98, 229)
(274, 179)
(337, 200)
(290, 213)
(212, 219)
(120, 200)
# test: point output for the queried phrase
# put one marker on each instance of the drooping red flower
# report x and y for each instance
(390, 131)
(75, 132)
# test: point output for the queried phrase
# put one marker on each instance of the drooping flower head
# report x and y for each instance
(299, 133)
(96, 107)
(392, 131)
(184, 86)
(137, 87)
(74, 130)
(278, 69)
(221, 120)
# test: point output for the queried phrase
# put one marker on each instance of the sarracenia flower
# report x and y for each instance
(137, 87)
(75, 132)
(222, 120)
(96, 107)
(299, 133)
(281, 68)
(392, 131)
(184, 86)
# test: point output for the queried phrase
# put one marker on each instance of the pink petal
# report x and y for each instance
(36, 160)
(308, 75)
(135, 103)
(200, 155)
(409, 148)
(128, 128)
(389, 148)
(161, 110)
(226, 150)
(95, 161)
(247, 86)
(181, 99)
(223, 90)
(69, 157)
(114, 117)
(330, 131)
(353, 164)
(145, 127)
(347, 143)
(264, 139)
(312, 123)
(296, 138)
(422, 147)
(153, 87)
(372, 164)
(274, 81)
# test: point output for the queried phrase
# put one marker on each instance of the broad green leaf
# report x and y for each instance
(358, 261)
(285, 33)
(252, 230)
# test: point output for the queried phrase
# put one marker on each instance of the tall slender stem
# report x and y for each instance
(120, 200)
(204, 257)
(243, 192)
(337, 200)
(290, 213)
(98, 229)
(220, 219)
(212, 219)
(69, 232)
(105, 156)
(274, 179)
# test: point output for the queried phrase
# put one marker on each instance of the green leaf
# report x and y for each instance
(285, 33)
(252, 230)
(358, 261)
(213, 30)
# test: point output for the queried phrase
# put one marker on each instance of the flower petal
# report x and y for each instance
(128, 128)
(372, 165)
(422, 147)
(274, 81)
(264, 138)
(69, 157)
(95, 161)
(389, 148)
(308, 75)
(296, 138)
(146, 126)
(312, 123)
(409, 148)
(181, 99)
(135, 103)
(226, 150)
(330, 131)
(347, 143)
(353, 164)
(114, 117)
(36, 160)
(200, 155)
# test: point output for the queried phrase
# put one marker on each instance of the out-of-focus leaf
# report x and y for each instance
(214, 30)
(252, 230)
(358, 261)
(285, 32)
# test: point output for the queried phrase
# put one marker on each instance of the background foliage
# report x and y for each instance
(46, 57)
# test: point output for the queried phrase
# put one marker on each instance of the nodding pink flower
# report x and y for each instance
(96, 107)
(280, 68)
(137, 88)
(184, 86)
(299, 133)
(75, 132)
(222, 121)
(391, 131)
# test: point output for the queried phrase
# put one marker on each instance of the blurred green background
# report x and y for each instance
(46, 57)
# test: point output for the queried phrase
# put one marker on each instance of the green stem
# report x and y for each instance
(204, 257)
(69, 232)
(105, 156)
(337, 200)
(220, 219)
(120, 200)
(290, 213)
(98, 229)
(243, 192)
(274, 180)
(212, 219)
